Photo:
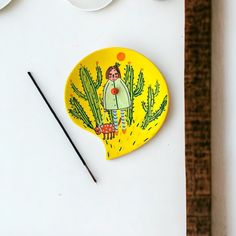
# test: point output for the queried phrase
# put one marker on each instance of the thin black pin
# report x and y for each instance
(61, 125)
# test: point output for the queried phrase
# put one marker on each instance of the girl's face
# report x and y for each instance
(113, 75)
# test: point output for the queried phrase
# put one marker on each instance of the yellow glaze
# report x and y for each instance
(139, 132)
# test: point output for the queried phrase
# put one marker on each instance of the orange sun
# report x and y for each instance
(121, 56)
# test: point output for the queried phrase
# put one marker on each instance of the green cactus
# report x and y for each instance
(148, 107)
(79, 94)
(78, 112)
(134, 90)
(111, 117)
(90, 88)
(99, 76)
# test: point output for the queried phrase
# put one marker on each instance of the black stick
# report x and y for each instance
(59, 122)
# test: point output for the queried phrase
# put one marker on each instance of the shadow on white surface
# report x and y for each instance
(220, 113)
(9, 6)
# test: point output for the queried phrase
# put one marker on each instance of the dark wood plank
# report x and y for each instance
(198, 116)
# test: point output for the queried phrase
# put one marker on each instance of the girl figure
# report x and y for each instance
(116, 96)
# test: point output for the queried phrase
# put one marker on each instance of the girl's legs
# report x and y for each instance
(123, 122)
(115, 120)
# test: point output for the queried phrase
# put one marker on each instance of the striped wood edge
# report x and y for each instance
(198, 116)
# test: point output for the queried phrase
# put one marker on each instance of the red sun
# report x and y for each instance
(121, 56)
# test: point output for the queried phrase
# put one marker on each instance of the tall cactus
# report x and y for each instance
(148, 107)
(90, 88)
(134, 90)
(78, 112)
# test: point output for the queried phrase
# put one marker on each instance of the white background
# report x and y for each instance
(44, 188)
(224, 116)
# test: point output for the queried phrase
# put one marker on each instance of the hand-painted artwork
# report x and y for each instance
(118, 95)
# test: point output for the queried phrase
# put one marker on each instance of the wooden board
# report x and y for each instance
(198, 116)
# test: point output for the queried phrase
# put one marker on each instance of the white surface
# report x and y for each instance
(4, 3)
(44, 188)
(90, 5)
(223, 117)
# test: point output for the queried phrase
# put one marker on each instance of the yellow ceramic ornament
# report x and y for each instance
(118, 95)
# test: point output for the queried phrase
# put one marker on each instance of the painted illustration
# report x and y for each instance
(118, 95)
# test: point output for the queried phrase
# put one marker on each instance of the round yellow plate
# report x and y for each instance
(118, 95)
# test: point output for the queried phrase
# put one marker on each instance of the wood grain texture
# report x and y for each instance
(198, 116)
